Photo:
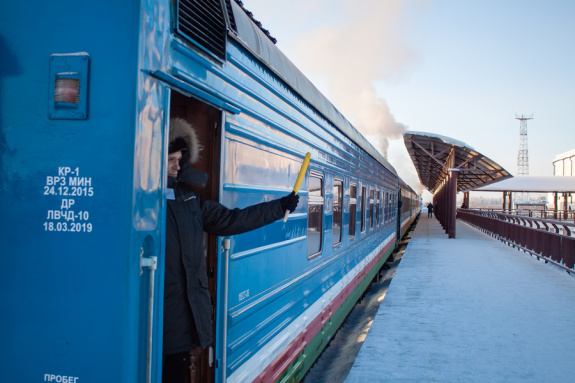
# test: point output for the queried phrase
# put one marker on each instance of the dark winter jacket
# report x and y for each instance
(187, 304)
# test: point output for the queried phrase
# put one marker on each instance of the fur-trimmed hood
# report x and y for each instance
(183, 136)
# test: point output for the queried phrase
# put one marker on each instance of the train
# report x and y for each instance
(410, 208)
(87, 90)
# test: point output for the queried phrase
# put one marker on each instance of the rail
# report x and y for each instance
(557, 215)
(550, 240)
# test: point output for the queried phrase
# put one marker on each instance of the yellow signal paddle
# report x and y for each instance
(300, 178)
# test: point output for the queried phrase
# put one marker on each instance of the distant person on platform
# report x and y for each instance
(187, 303)
(430, 210)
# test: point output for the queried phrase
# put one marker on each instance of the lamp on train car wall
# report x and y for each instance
(69, 76)
(67, 91)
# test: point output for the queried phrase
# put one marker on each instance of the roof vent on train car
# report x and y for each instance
(204, 23)
(231, 20)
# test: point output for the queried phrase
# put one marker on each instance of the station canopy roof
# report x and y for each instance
(430, 154)
(533, 184)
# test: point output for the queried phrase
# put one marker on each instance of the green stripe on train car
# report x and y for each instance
(303, 362)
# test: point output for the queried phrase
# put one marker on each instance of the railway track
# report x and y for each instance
(336, 361)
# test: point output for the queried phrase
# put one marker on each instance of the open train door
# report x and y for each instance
(207, 122)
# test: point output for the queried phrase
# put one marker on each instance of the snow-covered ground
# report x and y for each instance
(470, 309)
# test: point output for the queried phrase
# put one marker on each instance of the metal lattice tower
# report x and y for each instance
(523, 154)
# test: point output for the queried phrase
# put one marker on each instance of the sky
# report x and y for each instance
(461, 69)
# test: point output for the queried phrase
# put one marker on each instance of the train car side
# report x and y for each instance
(80, 194)
(410, 208)
(280, 292)
(291, 285)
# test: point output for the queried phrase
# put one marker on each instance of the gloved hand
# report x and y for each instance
(289, 202)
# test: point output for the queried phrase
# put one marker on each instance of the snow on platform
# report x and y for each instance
(470, 309)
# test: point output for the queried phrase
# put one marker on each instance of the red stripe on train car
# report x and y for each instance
(272, 372)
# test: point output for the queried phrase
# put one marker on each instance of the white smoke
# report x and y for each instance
(351, 55)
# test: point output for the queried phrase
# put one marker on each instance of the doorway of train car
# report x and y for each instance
(206, 121)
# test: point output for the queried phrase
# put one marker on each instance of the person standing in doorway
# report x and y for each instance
(187, 303)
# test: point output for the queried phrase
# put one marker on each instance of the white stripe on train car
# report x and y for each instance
(405, 222)
(250, 370)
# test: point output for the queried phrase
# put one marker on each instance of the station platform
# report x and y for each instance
(470, 309)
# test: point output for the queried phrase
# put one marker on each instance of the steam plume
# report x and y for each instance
(351, 55)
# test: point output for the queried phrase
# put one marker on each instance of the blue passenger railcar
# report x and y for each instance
(410, 207)
(86, 93)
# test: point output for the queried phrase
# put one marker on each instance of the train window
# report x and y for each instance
(389, 216)
(389, 207)
(363, 193)
(352, 208)
(386, 212)
(377, 204)
(383, 199)
(315, 214)
(371, 202)
(381, 195)
(337, 210)
(381, 220)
